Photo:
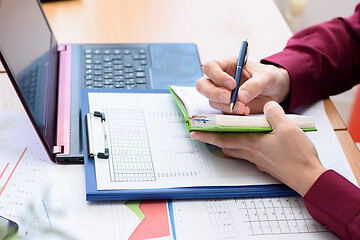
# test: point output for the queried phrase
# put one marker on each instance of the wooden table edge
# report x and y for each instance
(348, 145)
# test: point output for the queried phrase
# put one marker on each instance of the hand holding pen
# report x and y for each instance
(260, 83)
(242, 59)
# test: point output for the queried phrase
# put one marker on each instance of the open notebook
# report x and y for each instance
(199, 116)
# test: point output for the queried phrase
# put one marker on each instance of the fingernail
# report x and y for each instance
(244, 96)
(224, 98)
(193, 136)
(269, 105)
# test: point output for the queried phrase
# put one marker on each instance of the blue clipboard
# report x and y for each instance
(92, 194)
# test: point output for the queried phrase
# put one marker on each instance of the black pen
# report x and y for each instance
(238, 71)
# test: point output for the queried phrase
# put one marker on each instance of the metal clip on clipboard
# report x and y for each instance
(96, 134)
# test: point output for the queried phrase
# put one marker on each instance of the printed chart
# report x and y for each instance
(24, 165)
(154, 219)
(178, 156)
(247, 218)
(284, 215)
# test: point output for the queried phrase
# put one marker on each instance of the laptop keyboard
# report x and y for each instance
(116, 68)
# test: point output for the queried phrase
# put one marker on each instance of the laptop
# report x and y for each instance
(49, 77)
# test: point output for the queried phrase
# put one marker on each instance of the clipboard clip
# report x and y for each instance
(95, 123)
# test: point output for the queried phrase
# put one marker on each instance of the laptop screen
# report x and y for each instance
(29, 50)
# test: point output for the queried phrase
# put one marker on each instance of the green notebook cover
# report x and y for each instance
(218, 128)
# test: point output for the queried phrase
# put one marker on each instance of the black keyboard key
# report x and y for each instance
(140, 74)
(108, 82)
(119, 84)
(140, 81)
(119, 78)
(98, 79)
(139, 69)
(98, 72)
(129, 75)
(107, 59)
(97, 61)
(108, 70)
(130, 81)
(98, 85)
(108, 76)
(118, 73)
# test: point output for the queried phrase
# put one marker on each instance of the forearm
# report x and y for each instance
(335, 203)
(321, 60)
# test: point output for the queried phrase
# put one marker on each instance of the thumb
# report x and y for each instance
(274, 114)
(252, 88)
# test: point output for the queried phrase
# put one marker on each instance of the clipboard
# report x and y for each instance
(93, 194)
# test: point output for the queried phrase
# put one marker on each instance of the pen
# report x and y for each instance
(238, 71)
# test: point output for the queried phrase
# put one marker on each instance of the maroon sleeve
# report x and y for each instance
(322, 60)
(334, 202)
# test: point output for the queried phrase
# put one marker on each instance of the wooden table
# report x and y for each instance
(217, 27)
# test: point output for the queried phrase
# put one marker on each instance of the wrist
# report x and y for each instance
(307, 178)
(284, 81)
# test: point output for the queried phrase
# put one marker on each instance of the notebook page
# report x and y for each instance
(194, 102)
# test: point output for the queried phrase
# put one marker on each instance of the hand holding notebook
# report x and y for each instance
(200, 116)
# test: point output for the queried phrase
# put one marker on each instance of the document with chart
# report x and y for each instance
(150, 148)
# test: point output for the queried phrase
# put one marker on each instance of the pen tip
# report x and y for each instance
(231, 107)
(246, 39)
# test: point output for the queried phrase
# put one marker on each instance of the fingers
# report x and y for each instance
(221, 72)
(225, 140)
(253, 87)
(217, 84)
(275, 114)
(239, 108)
(206, 87)
(238, 153)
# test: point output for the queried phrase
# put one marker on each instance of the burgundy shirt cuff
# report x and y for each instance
(334, 202)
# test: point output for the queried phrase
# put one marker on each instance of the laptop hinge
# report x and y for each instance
(61, 48)
(64, 99)
(58, 149)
